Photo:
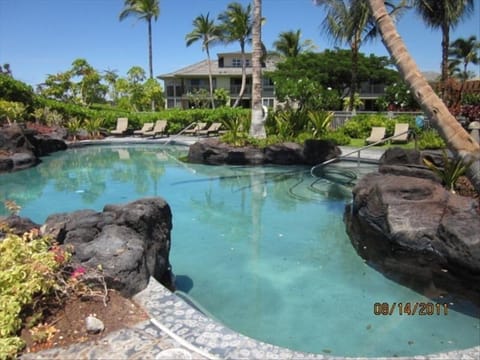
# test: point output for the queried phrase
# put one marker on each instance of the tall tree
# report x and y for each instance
(464, 52)
(289, 45)
(205, 30)
(257, 125)
(236, 25)
(350, 21)
(444, 15)
(143, 10)
(456, 138)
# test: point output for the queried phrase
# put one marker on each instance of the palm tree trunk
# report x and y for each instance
(457, 139)
(244, 75)
(210, 79)
(150, 56)
(353, 83)
(444, 78)
(257, 126)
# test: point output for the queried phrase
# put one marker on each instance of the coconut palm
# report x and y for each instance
(456, 138)
(288, 44)
(143, 10)
(204, 29)
(464, 52)
(236, 25)
(257, 125)
(444, 15)
(350, 21)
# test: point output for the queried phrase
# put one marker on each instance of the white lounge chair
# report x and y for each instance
(377, 133)
(122, 126)
(400, 134)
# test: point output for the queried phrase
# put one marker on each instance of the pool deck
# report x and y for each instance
(177, 330)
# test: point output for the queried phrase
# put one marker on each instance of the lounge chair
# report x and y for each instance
(196, 129)
(377, 134)
(212, 129)
(122, 126)
(160, 128)
(146, 127)
(400, 135)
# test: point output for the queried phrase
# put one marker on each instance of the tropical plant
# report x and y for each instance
(463, 53)
(288, 44)
(205, 30)
(11, 111)
(456, 138)
(235, 126)
(93, 127)
(73, 125)
(147, 10)
(444, 15)
(236, 25)
(357, 102)
(221, 96)
(320, 122)
(451, 170)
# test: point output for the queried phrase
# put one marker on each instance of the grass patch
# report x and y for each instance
(361, 143)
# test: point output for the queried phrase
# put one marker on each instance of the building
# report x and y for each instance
(226, 73)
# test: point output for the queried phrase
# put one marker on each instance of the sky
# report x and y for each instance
(41, 37)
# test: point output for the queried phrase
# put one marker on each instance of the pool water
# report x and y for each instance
(263, 249)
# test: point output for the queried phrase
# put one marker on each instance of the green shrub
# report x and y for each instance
(27, 273)
(338, 137)
(14, 90)
(429, 139)
(11, 111)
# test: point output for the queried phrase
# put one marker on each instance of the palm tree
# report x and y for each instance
(288, 43)
(456, 138)
(444, 15)
(350, 21)
(257, 126)
(464, 52)
(143, 10)
(204, 29)
(236, 25)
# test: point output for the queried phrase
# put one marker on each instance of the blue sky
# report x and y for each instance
(40, 37)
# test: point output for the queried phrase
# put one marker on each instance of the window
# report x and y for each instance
(236, 63)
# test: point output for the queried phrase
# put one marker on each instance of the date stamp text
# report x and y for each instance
(410, 308)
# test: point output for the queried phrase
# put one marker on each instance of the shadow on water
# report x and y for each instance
(183, 283)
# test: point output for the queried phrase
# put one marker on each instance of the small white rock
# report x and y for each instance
(94, 325)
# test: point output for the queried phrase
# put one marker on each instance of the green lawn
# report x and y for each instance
(361, 142)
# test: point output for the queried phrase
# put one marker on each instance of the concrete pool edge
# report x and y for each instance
(213, 340)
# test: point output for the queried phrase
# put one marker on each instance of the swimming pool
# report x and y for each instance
(263, 249)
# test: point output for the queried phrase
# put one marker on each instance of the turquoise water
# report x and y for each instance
(262, 249)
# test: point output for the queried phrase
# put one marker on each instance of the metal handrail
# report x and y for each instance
(181, 132)
(326, 162)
